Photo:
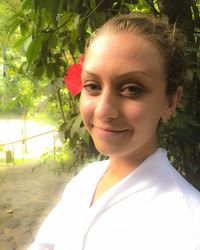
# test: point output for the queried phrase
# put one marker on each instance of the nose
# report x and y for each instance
(107, 106)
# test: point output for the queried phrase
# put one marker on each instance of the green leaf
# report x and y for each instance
(49, 71)
(21, 41)
(74, 4)
(24, 28)
(73, 23)
(100, 18)
(36, 4)
(53, 40)
(13, 26)
(61, 62)
(27, 5)
(39, 71)
(84, 134)
(56, 69)
(87, 137)
(27, 43)
(92, 4)
(56, 6)
(97, 19)
(75, 128)
(76, 21)
(74, 35)
(63, 34)
(34, 49)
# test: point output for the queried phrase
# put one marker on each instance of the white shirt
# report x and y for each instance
(153, 208)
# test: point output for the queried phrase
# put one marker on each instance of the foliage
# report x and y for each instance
(52, 35)
(16, 90)
(182, 134)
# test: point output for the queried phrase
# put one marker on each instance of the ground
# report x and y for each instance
(27, 194)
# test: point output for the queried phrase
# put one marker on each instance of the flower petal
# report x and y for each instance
(73, 79)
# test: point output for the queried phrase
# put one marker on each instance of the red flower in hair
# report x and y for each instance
(72, 77)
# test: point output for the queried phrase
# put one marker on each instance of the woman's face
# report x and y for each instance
(124, 94)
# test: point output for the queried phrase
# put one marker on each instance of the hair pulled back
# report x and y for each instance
(169, 40)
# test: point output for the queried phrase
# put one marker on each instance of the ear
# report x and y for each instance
(172, 103)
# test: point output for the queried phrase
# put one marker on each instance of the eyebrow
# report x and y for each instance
(126, 74)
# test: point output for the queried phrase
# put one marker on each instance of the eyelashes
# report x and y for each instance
(91, 86)
(128, 90)
(92, 89)
(132, 89)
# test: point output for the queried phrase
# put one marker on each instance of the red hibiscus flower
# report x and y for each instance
(72, 77)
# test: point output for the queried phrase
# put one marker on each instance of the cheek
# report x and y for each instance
(134, 112)
(87, 108)
(145, 113)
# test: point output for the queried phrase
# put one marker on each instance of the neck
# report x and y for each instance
(120, 167)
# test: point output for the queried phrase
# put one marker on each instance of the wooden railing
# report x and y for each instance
(26, 138)
(9, 154)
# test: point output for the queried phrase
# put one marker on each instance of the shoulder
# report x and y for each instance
(181, 184)
(175, 198)
(177, 185)
(187, 193)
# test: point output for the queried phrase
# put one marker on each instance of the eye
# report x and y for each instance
(132, 89)
(92, 87)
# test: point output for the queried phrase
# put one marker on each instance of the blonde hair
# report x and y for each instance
(169, 40)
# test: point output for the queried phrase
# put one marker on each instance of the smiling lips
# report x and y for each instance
(106, 132)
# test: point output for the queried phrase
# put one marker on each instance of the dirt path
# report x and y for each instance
(26, 197)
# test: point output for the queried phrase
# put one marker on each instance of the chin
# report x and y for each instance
(108, 150)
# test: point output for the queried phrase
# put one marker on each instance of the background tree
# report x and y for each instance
(53, 36)
(183, 135)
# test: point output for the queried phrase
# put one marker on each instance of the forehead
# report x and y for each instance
(123, 50)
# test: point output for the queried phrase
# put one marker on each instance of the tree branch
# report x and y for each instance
(152, 7)
(61, 105)
(59, 27)
(93, 10)
(196, 13)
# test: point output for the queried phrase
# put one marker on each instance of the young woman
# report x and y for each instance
(132, 76)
